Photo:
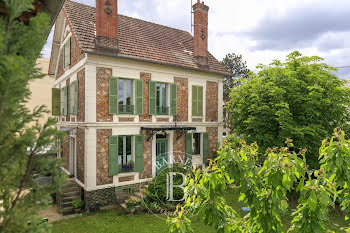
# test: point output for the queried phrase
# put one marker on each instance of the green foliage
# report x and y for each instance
(156, 191)
(23, 148)
(299, 99)
(264, 189)
(235, 64)
(77, 204)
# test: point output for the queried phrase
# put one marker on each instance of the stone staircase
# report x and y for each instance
(70, 191)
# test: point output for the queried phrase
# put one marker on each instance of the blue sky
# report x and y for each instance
(260, 30)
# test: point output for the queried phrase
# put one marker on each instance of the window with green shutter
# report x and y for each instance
(162, 99)
(152, 98)
(139, 153)
(197, 101)
(65, 102)
(113, 156)
(76, 95)
(113, 95)
(189, 149)
(205, 148)
(173, 99)
(139, 97)
(125, 154)
(56, 102)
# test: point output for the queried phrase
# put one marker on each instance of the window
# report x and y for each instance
(66, 54)
(162, 99)
(125, 90)
(62, 101)
(196, 143)
(71, 98)
(197, 101)
(125, 162)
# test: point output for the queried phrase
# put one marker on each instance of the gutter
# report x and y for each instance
(153, 62)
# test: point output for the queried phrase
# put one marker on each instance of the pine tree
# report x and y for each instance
(23, 154)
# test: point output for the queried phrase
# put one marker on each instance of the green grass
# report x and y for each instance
(117, 221)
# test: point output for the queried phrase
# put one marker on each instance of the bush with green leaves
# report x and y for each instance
(156, 191)
(77, 204)
(300, 99)
(264, 189)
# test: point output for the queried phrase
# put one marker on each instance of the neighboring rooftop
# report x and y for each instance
(139, 40)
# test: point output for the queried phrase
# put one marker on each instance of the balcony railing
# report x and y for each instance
(162, 110)
(126, 109)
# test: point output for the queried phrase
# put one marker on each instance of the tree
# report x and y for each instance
(264, 189)
(300, 99)
(23, 149)
(238, 68)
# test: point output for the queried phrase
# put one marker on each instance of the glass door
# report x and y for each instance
(161, 153)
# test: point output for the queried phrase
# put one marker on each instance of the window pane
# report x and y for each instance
(196, 143)
(120, 145)
(128, 145)
(121, 92)
(128, 92)
(164, 96)
(158, 95)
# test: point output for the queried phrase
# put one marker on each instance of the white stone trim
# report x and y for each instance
(91, 158)
(75, 69)
(125, 125)
(90, 93)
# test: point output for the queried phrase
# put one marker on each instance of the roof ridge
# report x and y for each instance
(71, 1)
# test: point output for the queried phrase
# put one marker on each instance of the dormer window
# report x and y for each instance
(66, 54)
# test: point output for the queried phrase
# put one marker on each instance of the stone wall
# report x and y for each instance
(65, 151)
(146, 77)
(108, 195)
(81, 96)
(213, 140)
(179, 146)
(81, 155)
(102, 95)
(182, 99)
(212, 102)
(102, 157)
(147, 157)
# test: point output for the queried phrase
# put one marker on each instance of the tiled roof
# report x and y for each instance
(138, 40)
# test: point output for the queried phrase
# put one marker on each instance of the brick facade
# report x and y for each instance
(212, 101)
(200, 40)
(213, 140)
(102, 157)
(182, 99)
(81, 155)
(102, 95)
(147, 157)
(163, 119)
(107, 24)
(126, 178)
(146, 77)
(179, 145)
(126, 119)
(81, 96)
(66, 151)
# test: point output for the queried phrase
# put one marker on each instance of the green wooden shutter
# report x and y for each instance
(56, 101)
(139, 153)
(200, 101)
(113, 156)
(76, 94)
(152, 98)
(139, 97)
(194, 101)
(173, 99)
(205, 148)
(113, 95)
(70, 89)
(65, 112)
(189, 149)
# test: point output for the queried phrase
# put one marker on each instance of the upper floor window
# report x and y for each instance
(162, 99)
(197, 101)
(66, 53)
(125, 96)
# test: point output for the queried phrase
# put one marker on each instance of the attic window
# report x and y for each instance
(66, 54)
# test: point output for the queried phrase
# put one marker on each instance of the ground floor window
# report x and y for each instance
(196, 143)
(125, 161)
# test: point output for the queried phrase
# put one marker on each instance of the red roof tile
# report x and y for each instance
(139, 40)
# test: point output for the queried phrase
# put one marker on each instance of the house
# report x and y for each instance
(41, 90)
(132, 96)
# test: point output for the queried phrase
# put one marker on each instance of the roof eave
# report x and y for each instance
(155, 62)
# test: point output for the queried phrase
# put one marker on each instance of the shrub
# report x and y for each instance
(77, 204)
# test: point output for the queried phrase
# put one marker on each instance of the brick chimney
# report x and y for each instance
(200, 51)
(107, 24)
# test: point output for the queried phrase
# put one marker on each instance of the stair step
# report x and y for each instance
(67, 211)
(69, 199)
(69, 190)
(70, 185)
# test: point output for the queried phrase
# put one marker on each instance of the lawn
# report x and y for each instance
(117, 221)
